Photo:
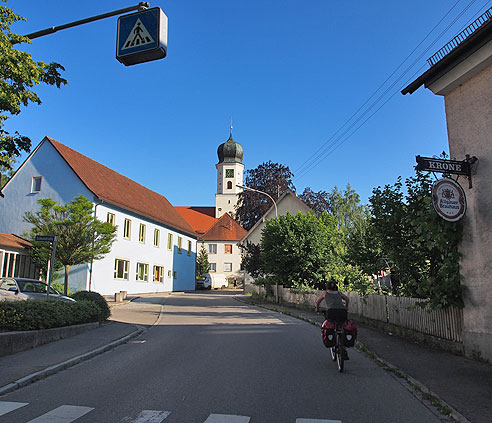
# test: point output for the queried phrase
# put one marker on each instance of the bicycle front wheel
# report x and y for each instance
(333, 352)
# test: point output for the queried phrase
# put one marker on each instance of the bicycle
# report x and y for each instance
(338, 351)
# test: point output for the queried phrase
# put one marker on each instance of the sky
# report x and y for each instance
(313, 85)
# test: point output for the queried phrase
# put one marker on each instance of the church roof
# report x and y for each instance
(225, 229)
(13, 241)
(201, 219)
(121, 191)
(230, 151)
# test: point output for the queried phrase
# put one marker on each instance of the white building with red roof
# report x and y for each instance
(15, 260)
(155, 249)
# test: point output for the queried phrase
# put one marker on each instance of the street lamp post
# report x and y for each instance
(261, 192)
(276, 217)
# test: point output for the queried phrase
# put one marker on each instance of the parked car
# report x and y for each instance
(21, 289)
(212, 280)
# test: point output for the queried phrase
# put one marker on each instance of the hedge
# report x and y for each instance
(96, 298)
(34, 315)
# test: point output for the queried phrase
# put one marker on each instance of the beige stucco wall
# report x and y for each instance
(469, 122)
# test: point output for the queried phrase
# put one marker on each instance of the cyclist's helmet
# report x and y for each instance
(332, 285)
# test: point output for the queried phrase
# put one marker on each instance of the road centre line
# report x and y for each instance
(7, 407)
(63, 414)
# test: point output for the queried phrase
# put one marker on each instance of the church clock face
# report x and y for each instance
(229, 173)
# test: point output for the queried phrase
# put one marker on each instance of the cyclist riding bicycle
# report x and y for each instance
(336, 302)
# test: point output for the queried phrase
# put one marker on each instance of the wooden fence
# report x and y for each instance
(403, 312)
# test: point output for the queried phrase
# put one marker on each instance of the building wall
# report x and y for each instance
(61, 184)
(468, 114)
(221, 257)
(227, 197)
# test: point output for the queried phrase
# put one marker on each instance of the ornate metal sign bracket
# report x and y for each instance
(448, 167)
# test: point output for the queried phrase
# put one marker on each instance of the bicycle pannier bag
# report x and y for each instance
(328, 333)
(349, 333)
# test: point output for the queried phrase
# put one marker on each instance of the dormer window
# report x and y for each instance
(36, 184)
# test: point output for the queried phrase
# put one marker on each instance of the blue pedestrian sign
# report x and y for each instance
(141, 37)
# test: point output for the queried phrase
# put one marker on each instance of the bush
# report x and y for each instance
(96, 298)
(34, 315)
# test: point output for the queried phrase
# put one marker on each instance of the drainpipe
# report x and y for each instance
(92, 258)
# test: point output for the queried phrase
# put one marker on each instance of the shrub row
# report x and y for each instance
(97, 298)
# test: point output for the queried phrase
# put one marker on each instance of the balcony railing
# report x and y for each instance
(462, 36)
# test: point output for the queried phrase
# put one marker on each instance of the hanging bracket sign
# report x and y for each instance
(141, 37)
(448, 199)
(454, 167)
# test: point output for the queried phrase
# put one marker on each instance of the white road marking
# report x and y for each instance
(317, 421)
(7, 407)
(63, 414)
(149, 416)
(225, 418)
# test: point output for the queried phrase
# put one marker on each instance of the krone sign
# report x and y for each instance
(448, 199)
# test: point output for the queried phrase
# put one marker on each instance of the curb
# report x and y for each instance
(42, 374)
(414, 385)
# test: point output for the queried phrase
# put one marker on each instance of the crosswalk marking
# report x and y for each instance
(317, 421)
(225, 418)
(7, 407)
(63, 414)
(148, 416)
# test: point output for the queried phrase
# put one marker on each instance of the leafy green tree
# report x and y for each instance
(251, 259)
(82, 238)
(422, 247)
(301, 249)
(202, 265)
(272, 178)
(19, 73)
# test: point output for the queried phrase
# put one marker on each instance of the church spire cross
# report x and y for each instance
(230, 117)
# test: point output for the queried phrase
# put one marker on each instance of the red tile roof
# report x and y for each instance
(13, 241)
(121, 191)
(225, 229)
(199, 218)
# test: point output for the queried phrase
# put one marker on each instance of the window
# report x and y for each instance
(213, 267)
(121, 269)
(229, 185)
(158, 274)
(157, 236)
(168, 273)
(189, 247)
(111, 218)
(36, 183)
(175, 275)
(229, 173)
(141, 233)
(127, 229)
(169, 241)
(180, 242)
(227, 267)
(142, 272)
(212, 248)
(228, 248)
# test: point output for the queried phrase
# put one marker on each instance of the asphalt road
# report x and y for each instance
(209, 358)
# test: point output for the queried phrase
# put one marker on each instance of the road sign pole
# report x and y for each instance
(52, 264)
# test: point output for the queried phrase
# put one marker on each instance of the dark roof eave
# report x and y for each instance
(473, 43)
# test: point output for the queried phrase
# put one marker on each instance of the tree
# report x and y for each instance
(202, 265)
(18, 74)
(82, 238)
(272, 178)
(301, 249)
(251, 259)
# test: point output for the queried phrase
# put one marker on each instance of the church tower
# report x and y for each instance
(230, 170)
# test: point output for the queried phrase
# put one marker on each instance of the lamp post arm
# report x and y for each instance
(261, 192)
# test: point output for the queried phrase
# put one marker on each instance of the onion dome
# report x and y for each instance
(230, 151)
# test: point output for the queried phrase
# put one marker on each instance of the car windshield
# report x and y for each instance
(34, 286)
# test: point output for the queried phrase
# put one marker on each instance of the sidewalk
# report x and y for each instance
(462, 384)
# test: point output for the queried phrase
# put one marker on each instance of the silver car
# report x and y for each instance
(14, 289)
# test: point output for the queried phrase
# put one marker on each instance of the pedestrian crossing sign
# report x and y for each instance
(141, 37)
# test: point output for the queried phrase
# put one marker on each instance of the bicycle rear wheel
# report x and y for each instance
(340, 357)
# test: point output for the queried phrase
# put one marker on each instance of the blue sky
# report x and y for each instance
(290, 73)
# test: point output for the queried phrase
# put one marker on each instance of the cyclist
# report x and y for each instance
(336, 302)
